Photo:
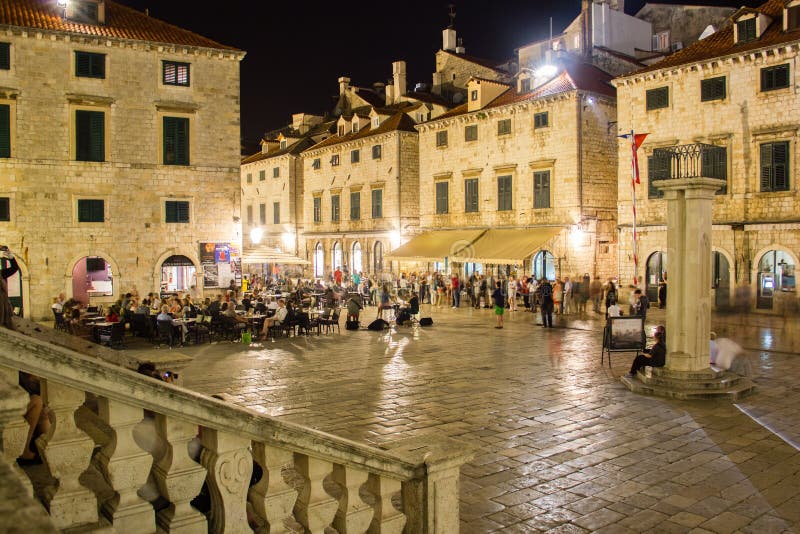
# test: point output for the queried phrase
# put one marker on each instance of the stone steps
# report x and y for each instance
(724, 381)
(706, 384)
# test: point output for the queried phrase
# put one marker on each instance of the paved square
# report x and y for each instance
(564, 446)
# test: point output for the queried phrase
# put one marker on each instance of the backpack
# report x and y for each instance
(378, 325)
(351, 325)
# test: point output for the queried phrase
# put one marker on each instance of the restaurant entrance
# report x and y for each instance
(14, 283)
(91, 277)
(177, 274)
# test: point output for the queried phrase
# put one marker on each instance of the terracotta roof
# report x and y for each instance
(721, 43)
(122, 22)
(458, 110)
(296, 148)
(398, 122)
(429, 98)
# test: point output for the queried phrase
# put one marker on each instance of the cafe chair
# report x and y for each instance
(60, 323)
(117, 338)
(200, 328)
(165, 333)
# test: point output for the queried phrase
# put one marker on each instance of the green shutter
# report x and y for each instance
(5, 131)
(90, 210)
(90, 135)
(176, 141)
(541, 189)
(780, 164)
(5, 56)
(766, 167)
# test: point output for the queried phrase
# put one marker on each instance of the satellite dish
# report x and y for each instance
(457, 98)
(710, 30)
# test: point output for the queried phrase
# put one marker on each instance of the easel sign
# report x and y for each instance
(623, 334)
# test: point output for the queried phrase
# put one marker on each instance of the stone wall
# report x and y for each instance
(44, 182)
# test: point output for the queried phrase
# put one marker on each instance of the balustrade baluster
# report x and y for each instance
(179, 477)
(387, 518)
(14, 434)
(230, 465)
(125, 467)
(272, 498)
(353, 515)
(315, 509)
(67, 454)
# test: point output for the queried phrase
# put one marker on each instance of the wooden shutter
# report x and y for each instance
(5, 56)
(5, 131)
(83, 64)
(176, 141)
(541, 189)
(91, 210)
(90, 135)
(780, 164)
(766, 167)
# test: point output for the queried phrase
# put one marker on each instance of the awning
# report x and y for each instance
(506, 246)
(435, 246)
(271, 255)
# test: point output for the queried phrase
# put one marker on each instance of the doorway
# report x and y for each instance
(656, 273)
(721, 280)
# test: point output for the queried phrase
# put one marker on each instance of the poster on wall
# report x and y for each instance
(222, 264)
(210, 275)
(236, 266)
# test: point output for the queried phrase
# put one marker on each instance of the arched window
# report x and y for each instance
(357, 259)
(177, 274)
(544, 265)
(377, 258)
(319, 261)
(336, 256)
(775, 273)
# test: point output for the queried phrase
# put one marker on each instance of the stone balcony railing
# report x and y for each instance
(697, 160)
(114, 429)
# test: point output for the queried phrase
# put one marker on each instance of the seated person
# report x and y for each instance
(276, 320)
(229, 311)
(655, 356)
(175, 307)
(164, 315)
(113, 315)
(143, 308)
(354, 306)
(405, 313)
(273, 305)
(260, 307)
(38, 417)
(614, 310)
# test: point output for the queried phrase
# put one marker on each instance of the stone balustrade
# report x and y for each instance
(133, 453)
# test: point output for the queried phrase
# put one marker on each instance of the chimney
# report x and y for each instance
(449, 39)
(399, 75)
(586, 12)
(389, 94)
(460, 48)
(344, 84)
(619, 5)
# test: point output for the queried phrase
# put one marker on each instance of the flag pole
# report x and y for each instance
(633, 198)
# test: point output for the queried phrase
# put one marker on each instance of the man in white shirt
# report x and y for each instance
(614, 310)
(277, 319)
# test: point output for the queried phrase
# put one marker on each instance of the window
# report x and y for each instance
(91, 210)
(355, 205)
(90, 65)
(177, 211)
(441, 138)
(473, 95)
(442, 194)
(657, 98)
(176, 141)
(471, 195)
(335, 160)
(316, 164)
(335, 211)
(283, 144)
(175, 73)
(775, 166)
(715, 165)
(775, 77)
(541, 189)
(541, 120)
(341, 130)
(262, 175)
(376, 152)
(5, 56)
(793, 18)
(355, 127)
(657, 169)
(504, 193)
(746, 29)
(249, 214)
(5, 209)
(504, 127)
(377, 203)
(377, 257)
(5, 131)
(262, 213)
(471, 132)
(712, 89)
(525, 85)
(317, 209)
(661, 41)
(276, 213)
(249, 177)
(276, 172)
(355, 156)
(90, 135)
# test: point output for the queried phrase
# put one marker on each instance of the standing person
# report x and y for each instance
(456, 285)
(558, 296)
(567, 300)
(596, 293)
(611, 295)
(584, 292)
(545, 293)
(423, 288)
(662, 294)
(512, 294)
(384, 300)
(6, 309)
(526, 295)
(642, 303)
(499, 304)
(337, 276)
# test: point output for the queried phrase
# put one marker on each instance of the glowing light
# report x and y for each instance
(547, 71)
(255, 235)
(589, 100)
(288, 239)
(394, 239)
(576, 235)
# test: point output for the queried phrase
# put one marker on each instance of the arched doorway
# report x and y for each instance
(544, 265)
(14, 285)
(91, 278)
(775, 273)
(319, 261)
(655, 274)
(177, 274)
(721, 280)
(336, 256)
(357, 259)
(377, 258)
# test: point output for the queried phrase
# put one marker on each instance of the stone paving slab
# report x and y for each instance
(565, 447)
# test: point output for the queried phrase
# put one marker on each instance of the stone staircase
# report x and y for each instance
(711, 383)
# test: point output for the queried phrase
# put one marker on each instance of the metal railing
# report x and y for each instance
(689, 161)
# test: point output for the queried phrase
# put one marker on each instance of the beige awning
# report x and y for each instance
(506, 246)
(271, 255)
(435, 246)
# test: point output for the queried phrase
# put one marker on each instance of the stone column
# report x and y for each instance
(689, 207)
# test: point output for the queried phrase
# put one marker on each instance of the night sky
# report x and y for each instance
(297, 50)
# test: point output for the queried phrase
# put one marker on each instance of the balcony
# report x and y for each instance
(697, 160)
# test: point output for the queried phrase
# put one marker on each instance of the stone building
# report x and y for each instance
(120, 146)
(727, 104)
(534, 167)
(361, 191)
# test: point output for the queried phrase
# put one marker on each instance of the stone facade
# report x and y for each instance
(43, 181)
(749, 220)
(575, 147)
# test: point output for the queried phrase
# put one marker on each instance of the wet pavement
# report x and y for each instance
(564, 446)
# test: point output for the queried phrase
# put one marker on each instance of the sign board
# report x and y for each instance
(626, 333)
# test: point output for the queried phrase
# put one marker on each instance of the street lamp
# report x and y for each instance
(255, 235)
